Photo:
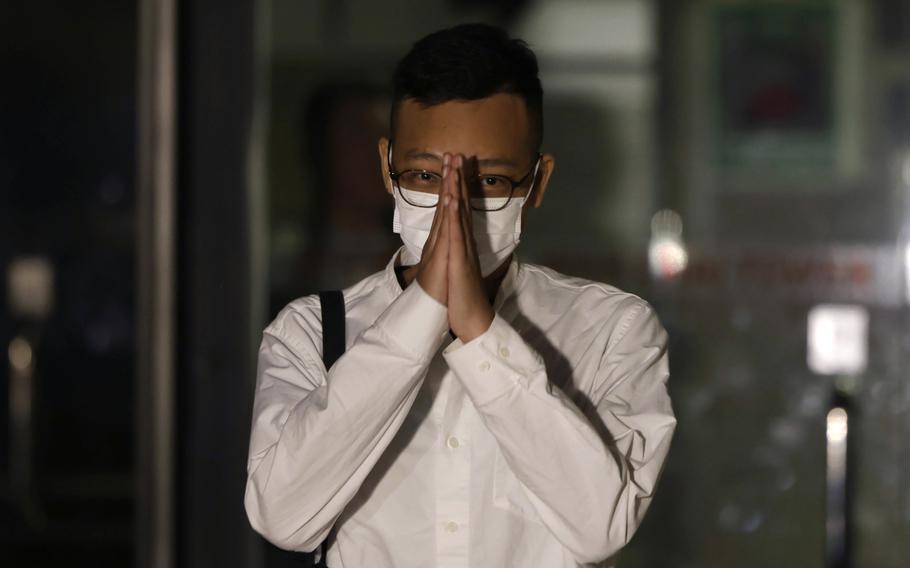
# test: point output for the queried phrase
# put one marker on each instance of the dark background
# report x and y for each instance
(779, 135)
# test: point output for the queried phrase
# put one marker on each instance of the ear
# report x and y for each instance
(384, 163)
(547, 165)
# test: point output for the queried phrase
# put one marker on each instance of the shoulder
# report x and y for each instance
(587, 302)
(299, 323)
(580, 293)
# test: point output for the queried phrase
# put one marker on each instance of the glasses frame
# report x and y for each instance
(394, 176)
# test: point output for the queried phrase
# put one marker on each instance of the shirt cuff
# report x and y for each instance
(416, 322)
(493, 363)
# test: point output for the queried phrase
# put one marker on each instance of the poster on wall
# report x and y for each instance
(775, 111)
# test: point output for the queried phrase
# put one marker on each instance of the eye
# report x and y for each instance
(493, 183)
(421, 179)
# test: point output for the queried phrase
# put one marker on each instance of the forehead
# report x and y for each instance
(494, 126)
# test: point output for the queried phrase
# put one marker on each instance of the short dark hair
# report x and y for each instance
(469, 62)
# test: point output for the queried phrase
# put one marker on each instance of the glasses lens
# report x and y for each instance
(491, 193)
(420, 181)
(493, 186)
(419, 188)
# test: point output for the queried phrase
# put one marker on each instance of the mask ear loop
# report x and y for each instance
(528, 196)
(396, 216)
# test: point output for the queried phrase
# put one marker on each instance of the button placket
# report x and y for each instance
(453, 481)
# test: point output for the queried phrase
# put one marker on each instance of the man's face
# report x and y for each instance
(495, 131)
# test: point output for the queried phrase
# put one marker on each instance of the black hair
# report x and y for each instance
(469, 62)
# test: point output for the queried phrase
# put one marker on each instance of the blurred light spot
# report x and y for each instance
(752, 522)
(667, 224)
(837, 425)
(31, 287)
(667, 259)
(905, 169)
(836, 474)
(20, 354)
(667, 255)
(837, 338)
(733, 518)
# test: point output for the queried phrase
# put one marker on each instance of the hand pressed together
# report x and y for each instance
(449, 270)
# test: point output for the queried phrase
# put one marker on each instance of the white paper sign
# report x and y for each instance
(838, 339)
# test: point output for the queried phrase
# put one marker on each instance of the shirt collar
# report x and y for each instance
(390, 279)
(506, 288)
(509, 283)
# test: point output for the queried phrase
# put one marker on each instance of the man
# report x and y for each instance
(487, 413)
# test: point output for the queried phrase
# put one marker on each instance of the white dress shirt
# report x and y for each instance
(537, 444)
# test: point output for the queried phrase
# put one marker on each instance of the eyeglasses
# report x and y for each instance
(488, 185)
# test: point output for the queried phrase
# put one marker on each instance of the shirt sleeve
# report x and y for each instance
(316, 435)
(589, 475)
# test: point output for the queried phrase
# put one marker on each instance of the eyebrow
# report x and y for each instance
(487, 162)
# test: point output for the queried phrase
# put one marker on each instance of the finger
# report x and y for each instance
(439, 214)
(472, 176)
(465, 172)
(456, 231)
(433, 237)
(450, 179)
(467, 175)
(446, 164)
(444, 200)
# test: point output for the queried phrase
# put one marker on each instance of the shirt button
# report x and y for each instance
(485, 366)
(504, 351)
(452, 527)
(453, 442)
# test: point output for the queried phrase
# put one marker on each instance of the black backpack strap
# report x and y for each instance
(333, 330)
(333, 346)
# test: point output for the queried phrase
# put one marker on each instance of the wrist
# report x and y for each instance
(476, 326)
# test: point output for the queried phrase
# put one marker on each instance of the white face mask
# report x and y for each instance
(496, 233)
